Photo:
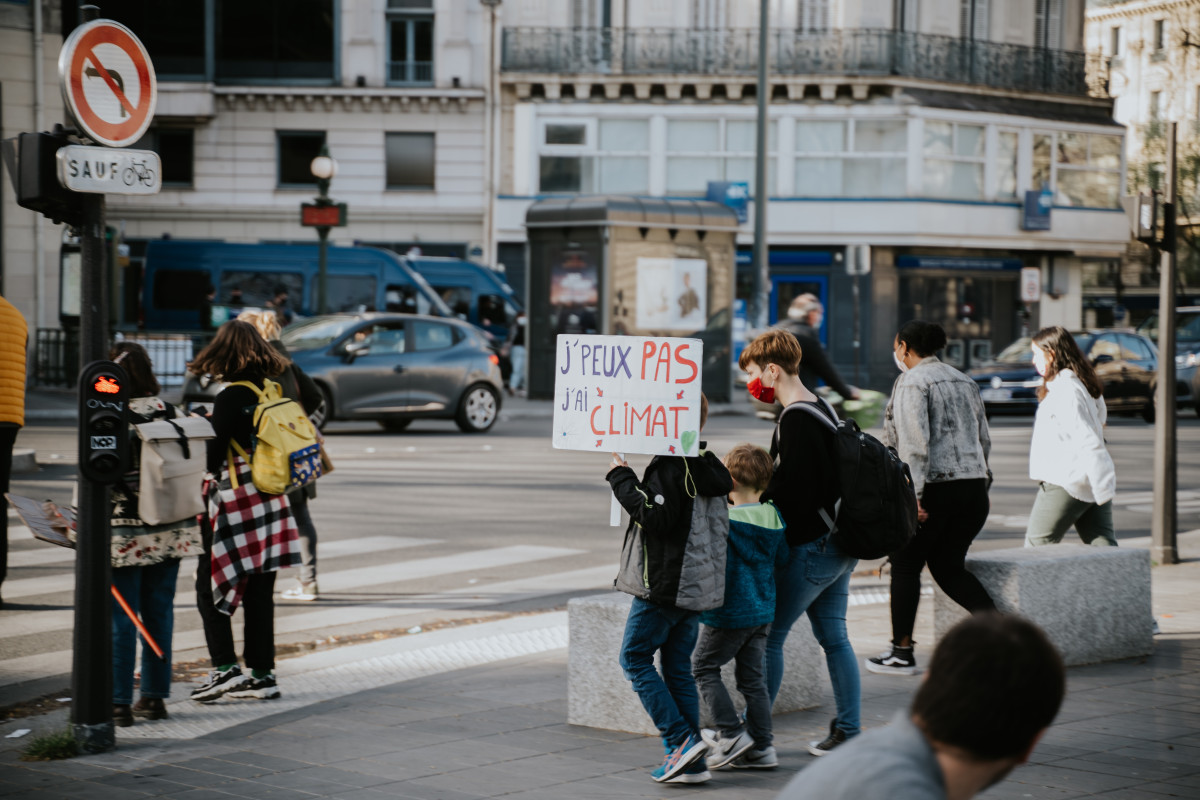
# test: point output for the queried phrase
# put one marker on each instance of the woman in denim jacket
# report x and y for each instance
(936, 422)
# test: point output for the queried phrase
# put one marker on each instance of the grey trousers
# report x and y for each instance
(1055, 511)
(308, 535)
(747, 648)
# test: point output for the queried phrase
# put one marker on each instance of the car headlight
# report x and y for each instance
(1033, 384)
(1187, 359)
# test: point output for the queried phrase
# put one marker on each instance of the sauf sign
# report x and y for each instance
(628, 394)
(101, 170)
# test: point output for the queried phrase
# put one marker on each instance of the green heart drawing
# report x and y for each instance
(687, 440)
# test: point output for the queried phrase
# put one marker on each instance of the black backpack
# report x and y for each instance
(877, 513)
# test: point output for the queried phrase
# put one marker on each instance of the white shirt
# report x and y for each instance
(1068, 441)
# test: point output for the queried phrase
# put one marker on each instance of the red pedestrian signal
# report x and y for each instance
(107, 385)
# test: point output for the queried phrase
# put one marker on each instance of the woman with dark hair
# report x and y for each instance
(145, 559)
(1067, 454)
(236, 353)
(936, 422)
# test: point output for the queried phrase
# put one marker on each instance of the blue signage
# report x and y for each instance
(1036, 211)
(959, 262)
(735, 194)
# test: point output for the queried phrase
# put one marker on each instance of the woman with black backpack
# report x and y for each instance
(936, 422)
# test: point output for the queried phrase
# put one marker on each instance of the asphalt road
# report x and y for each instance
(433, 525)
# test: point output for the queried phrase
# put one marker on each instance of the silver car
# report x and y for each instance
(394, 368)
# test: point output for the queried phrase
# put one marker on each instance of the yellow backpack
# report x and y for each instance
(286, 454)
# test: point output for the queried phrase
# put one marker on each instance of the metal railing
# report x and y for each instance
(734, 52)
(56, 354)
(410, 73)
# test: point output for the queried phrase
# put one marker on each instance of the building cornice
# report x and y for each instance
(359, 213)
(1134, 10)
(332, 98)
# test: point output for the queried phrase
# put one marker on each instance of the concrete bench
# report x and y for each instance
(1093, 602)
(599, 695)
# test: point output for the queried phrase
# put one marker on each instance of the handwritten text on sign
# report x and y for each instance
(627, 394)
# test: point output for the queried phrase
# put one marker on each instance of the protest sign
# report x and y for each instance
(628, 394)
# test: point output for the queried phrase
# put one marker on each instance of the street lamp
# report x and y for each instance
(492, 128)
(323, 214)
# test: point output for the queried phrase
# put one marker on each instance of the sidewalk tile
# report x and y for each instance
(1143, 768)
(1056, 776)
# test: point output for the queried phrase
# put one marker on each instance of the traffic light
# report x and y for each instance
(103, 422)
(33, 169)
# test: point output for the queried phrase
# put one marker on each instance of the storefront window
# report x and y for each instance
(841, 158)
(954, 158)
(1089, 170)
(586, 156)
(714, 150)
(1041, 161)
(1006, 164)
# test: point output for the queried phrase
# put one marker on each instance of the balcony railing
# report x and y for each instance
(410, 73)
(851, 52)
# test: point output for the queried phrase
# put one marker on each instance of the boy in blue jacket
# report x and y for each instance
(738, 630)
(673, 563)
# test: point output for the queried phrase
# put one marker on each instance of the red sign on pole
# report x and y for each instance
(108, 82)
(313, 215)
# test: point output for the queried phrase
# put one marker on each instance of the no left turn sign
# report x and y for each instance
(108, 82)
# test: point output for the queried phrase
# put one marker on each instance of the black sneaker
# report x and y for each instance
(220, 683)
(263, 688)
(897, 661)
(835, 738)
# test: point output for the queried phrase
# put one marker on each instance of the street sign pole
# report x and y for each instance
(762, 269)
(1163, 547)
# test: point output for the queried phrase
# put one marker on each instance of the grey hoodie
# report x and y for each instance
(937, 424)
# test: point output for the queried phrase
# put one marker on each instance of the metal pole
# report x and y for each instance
(762, 269)
(91, 666)
(1163, 549)
(322, 271)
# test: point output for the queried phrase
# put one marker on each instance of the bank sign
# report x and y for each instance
(107, 170)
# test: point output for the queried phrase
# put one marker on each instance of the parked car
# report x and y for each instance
(1126, 362)
(1187, 351)
(391, 368)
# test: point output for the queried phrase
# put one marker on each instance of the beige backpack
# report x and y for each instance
(172, 469)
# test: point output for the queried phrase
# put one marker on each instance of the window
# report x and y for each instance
(703, 150)
(175, 41)
(813, 16)
(973, 19)
(495, 310)
(254, 289)
(1104, 346)
(410, 42)
(432, 335)
(1114, 40)
(842, 158)
(411, 161)
(954, 158)
(1156, 106)
(274, 40)
(609, 155)
(179, 289)
(406, 300)
(381, 338)
(1043, 144)
(1006, 164)
(175, 148)
(1048, 24)
(1160, 34)
(296, 150)
(457, 297)
(1134, 348)
(1088, 169)
(350, 292)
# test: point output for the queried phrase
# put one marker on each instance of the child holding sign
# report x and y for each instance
(737, 631)
(673, 563)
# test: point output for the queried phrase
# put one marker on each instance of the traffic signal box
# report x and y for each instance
(32, 167)
(103, 422)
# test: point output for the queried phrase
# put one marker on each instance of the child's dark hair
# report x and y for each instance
(923, 338)
(134, 359)
(750, 465)
(703, 410)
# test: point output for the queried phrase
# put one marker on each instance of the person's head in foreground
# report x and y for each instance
(993, 686)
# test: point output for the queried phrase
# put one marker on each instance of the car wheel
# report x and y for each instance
(478, 409)
(395, 425)
(324, 412)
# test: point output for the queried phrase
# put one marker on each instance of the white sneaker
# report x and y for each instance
(302, 591)
(757, 759)
(724, 751)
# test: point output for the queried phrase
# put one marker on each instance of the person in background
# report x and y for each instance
(204, 308)
(994, 685)
(804, 322)
(936, 422)
(14, 339)
(737, 631)
(516, 345)
(237, 353)
(145, 559)
(1067, 454)
(295, 385)
(279, 304)
(805, 488)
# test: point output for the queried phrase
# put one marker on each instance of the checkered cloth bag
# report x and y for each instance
(252, 532)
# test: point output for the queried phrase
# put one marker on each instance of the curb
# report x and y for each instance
(24, 460)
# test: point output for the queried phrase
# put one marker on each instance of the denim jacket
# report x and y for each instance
(936, 422)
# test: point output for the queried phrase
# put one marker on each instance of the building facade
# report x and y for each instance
(914, 128)
(1146, 54)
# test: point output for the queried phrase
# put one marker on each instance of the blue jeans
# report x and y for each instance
(150, 592)
(816, 580)
(671, 699)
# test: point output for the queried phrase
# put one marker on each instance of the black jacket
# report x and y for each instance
(674, 550)
(814, 363)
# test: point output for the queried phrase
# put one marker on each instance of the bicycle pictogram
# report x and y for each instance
(138, 171)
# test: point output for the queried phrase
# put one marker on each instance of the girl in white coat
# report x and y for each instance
(1067, 454)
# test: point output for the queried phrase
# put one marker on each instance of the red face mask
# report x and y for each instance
(764, 394)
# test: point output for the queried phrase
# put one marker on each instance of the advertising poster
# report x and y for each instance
(672, 294)
(628, 394)
(574, 292)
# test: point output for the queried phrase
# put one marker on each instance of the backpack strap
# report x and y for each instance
(828, 416)
(260, 393)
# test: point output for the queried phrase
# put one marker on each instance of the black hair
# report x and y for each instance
(134, 359)
(995, 681)
(923, 338)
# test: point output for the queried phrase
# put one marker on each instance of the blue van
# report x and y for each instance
(178, 273)
(474, 292)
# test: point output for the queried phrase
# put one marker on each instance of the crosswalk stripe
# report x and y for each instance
(45, 554)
